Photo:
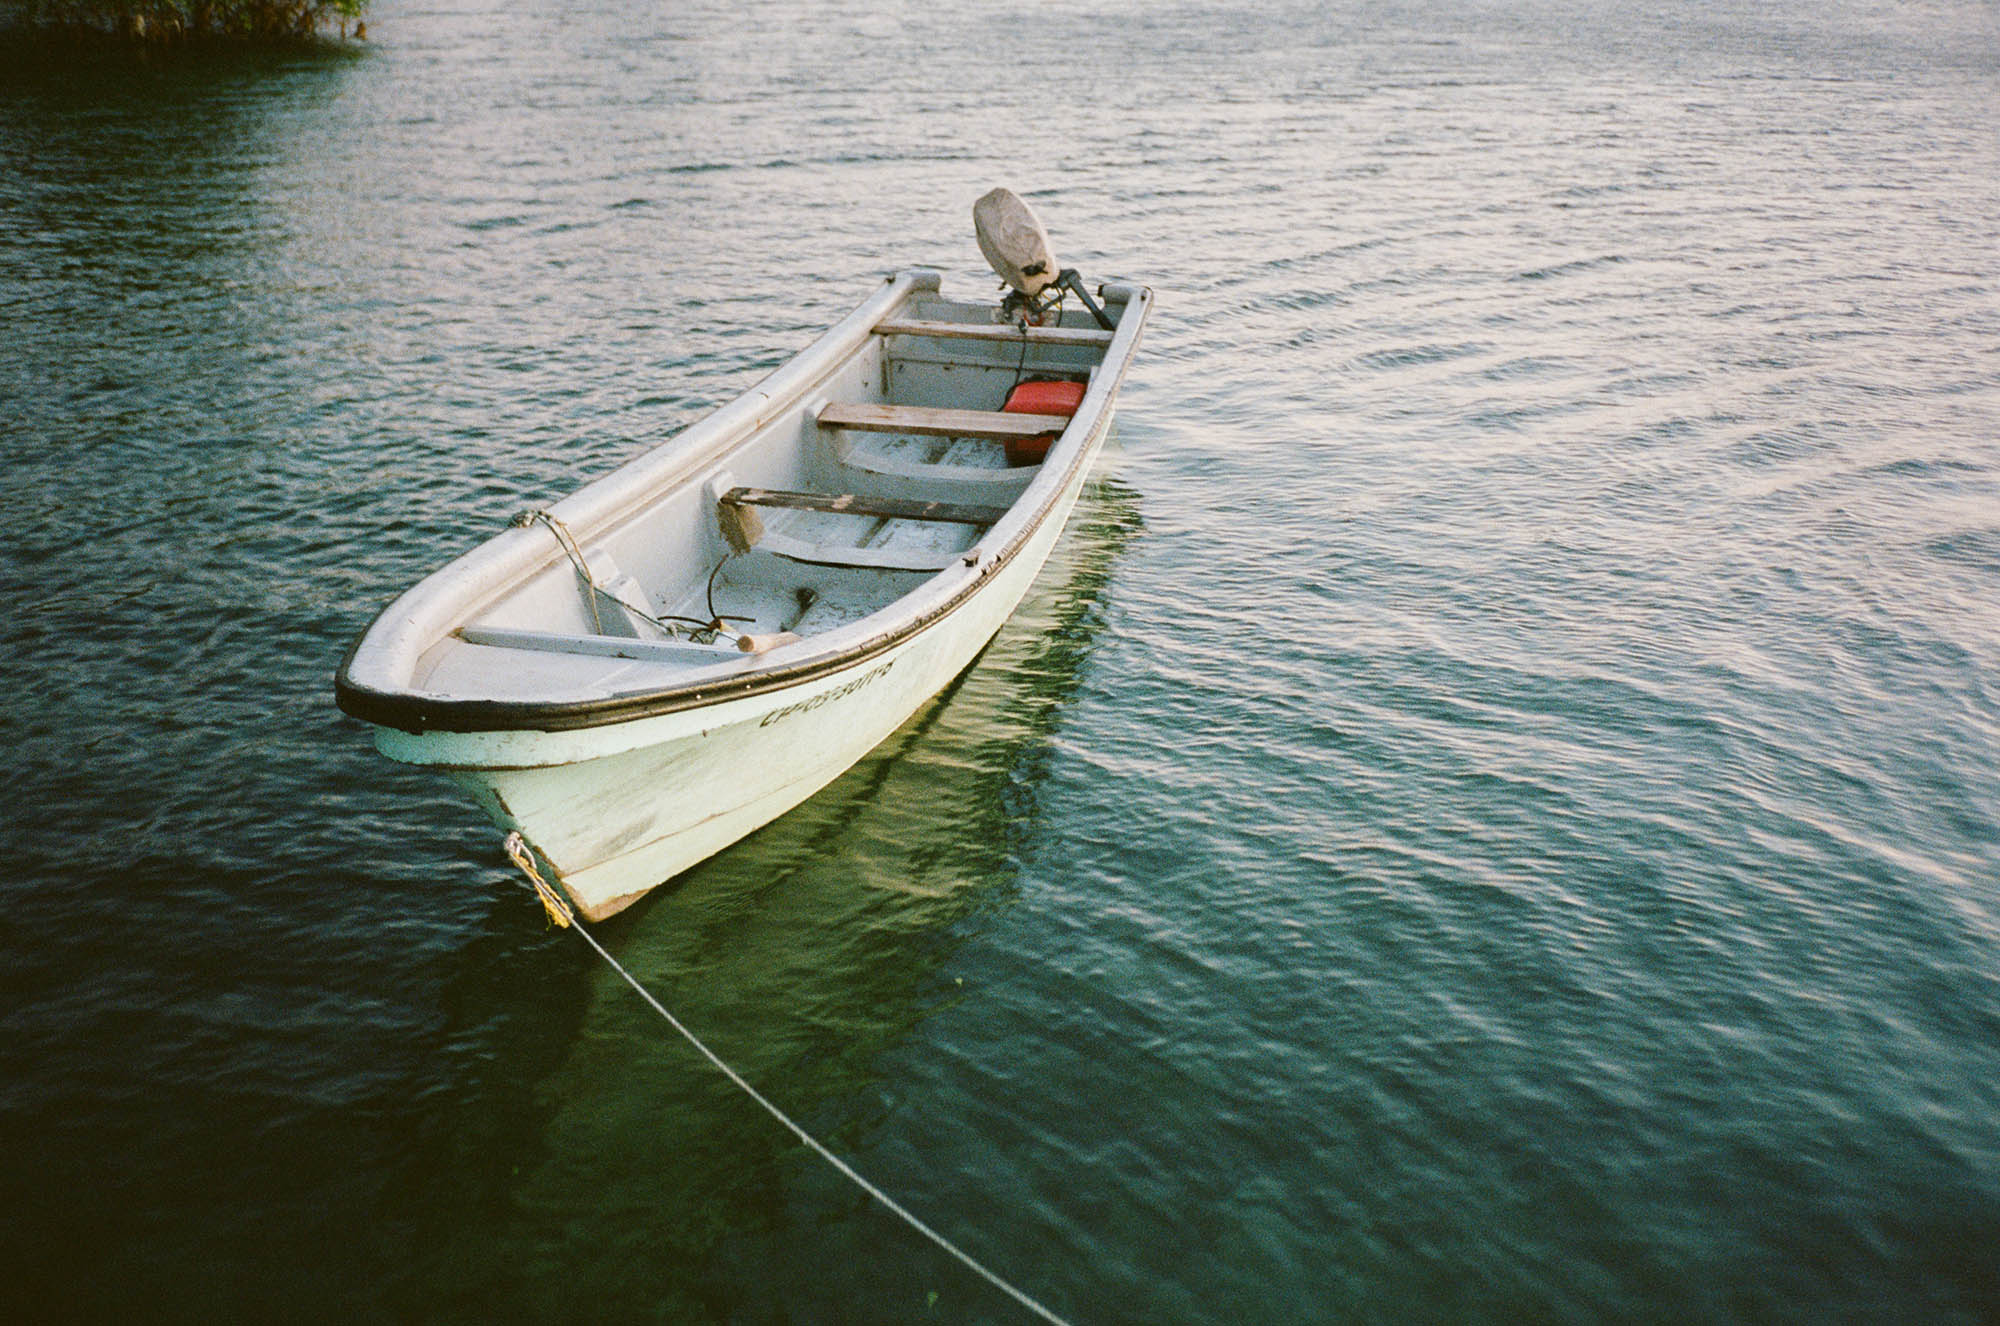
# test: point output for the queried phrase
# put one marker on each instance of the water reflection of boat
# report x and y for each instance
(939, 803)
(804, 953)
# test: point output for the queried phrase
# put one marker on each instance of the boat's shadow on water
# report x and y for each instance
(800, 955)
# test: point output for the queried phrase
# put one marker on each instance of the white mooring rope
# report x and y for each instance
(559, 912)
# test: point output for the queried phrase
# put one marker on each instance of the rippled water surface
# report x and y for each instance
(1491, 814)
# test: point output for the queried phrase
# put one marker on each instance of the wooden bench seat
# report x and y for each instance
(744, 529)
(994, 331)
(882, 508)
(928, 422)
(602, 646)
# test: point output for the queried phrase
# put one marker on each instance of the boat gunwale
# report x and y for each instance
(417, 713)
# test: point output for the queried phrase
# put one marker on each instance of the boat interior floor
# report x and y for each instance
(904, 492)
(760, 592)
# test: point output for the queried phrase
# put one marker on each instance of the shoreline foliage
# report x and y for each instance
(167, 22)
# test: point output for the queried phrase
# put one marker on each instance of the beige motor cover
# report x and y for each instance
(1013, 241)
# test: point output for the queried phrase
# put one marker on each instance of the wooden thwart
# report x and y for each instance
(602, 646)
(848, 504)
(869, 418)
(994, 331)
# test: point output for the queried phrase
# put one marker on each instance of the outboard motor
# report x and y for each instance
(1017, 248)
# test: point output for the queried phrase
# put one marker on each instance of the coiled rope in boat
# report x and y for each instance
(560, 914)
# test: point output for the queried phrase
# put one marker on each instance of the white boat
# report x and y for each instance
(688, 647)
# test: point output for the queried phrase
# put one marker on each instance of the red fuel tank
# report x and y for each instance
(1039, 397)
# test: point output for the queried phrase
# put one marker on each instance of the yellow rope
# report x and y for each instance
(552, 903)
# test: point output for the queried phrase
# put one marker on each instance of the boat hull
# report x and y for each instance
(669, 792)
(849, 530)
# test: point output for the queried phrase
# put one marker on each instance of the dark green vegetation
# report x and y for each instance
(157, 22)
